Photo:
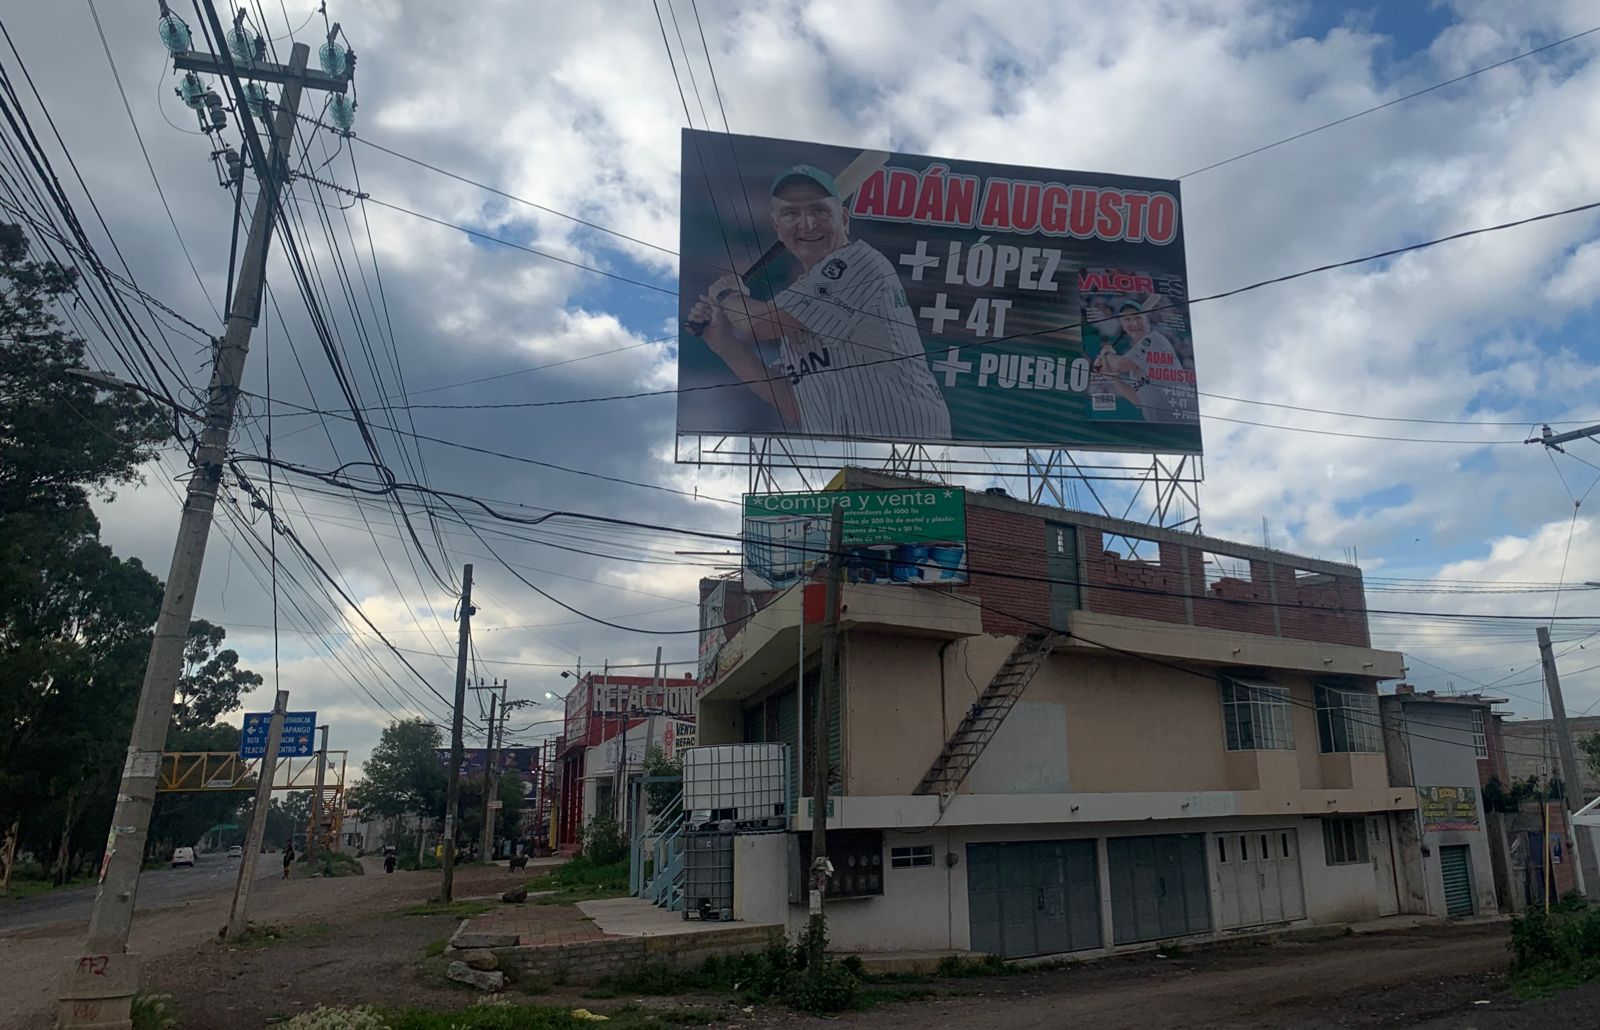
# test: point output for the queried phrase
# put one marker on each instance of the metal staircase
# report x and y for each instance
(983, 719)
(661, 843)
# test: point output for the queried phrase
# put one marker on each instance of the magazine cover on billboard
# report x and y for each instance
(837, 293)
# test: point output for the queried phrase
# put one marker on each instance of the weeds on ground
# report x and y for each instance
(461, 909)
(434, 949)
(953, 967)
(408, 862)
(32, 888)
(337, 863)
(265, 935)
(1555, 950)
(492, 1015)
(154, 1012)
(581, 879)
(324, 1018)
(777, 973)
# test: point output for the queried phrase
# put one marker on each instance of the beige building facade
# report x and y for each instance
(1112, 736)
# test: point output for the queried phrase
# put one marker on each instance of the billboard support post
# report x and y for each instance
(239, 914)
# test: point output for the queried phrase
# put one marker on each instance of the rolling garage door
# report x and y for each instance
(1456, 866)
(1158, 887)
(1033, 897)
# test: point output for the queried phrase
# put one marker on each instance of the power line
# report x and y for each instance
(1389, 103)
(149, 165)
(1236, 291)
(448, 498)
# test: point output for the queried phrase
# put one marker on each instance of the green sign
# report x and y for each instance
(910, 536)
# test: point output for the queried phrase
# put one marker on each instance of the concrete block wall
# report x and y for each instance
(588, 962)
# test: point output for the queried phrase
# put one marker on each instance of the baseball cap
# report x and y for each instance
(1128, 302)
(806, 173)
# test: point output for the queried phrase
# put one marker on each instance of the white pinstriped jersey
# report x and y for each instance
(857, 317)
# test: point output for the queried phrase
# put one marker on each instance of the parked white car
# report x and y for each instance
(235, 851)
(182, 856)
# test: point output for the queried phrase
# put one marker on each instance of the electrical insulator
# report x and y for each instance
(334, 57)
(174, 34)
(342, 111)
(219, 117)
(245, 43)
(234, 163)
(255, 97)
(193, 90)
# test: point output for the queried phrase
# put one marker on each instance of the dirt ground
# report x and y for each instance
(353, 948)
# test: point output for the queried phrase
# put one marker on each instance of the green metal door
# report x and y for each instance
(1456, 865)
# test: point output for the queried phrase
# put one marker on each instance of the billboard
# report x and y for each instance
(835, 293)
(911, 535)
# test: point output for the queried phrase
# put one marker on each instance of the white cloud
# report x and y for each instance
(575, 108)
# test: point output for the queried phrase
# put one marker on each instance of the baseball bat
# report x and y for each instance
(849, 180)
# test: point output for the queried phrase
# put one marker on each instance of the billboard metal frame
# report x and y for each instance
(1165, 487)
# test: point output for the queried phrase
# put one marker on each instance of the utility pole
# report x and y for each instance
(1571, 788)
(239, 914)
(491, 770)
(316, 800)
(820, 869)
(448, 879)
(105, 960)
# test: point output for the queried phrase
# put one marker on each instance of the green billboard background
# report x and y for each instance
(914, 536)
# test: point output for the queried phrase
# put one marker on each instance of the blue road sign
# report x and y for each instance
(299, 735)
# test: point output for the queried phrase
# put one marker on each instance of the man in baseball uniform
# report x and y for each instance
(1148, 374)
(849, 361)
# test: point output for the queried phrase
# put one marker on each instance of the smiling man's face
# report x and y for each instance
(809, 221)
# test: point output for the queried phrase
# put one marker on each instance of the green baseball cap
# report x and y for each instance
(806, 173)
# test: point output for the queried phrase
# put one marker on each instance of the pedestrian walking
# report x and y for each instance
(288, 856)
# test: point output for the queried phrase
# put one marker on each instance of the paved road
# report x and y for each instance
(212, 875)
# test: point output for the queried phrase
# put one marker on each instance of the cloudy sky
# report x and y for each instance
(576, 108)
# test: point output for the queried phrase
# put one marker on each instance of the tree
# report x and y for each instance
(183, 819)
(75, 619)
(404, 775)
(212, 681)
(1590, 746)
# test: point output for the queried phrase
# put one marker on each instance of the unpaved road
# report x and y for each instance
(214, 876)
(179, 942)
(1436, 978)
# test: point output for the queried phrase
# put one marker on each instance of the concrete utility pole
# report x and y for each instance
(239, 913)
(820, 869)
(491, 772)
(448, 871)
(99, 986)
(1571, 786)
(316, 800)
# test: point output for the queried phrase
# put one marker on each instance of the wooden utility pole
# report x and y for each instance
(447, 879)
(1571, 787)
(820, 869)
(239, 913)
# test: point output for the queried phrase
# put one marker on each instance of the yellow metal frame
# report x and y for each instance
(193, 772)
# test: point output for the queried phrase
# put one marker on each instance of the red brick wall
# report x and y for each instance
(1138, 589)
(1240, 605)
(1014, 543)
(1307, 608)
